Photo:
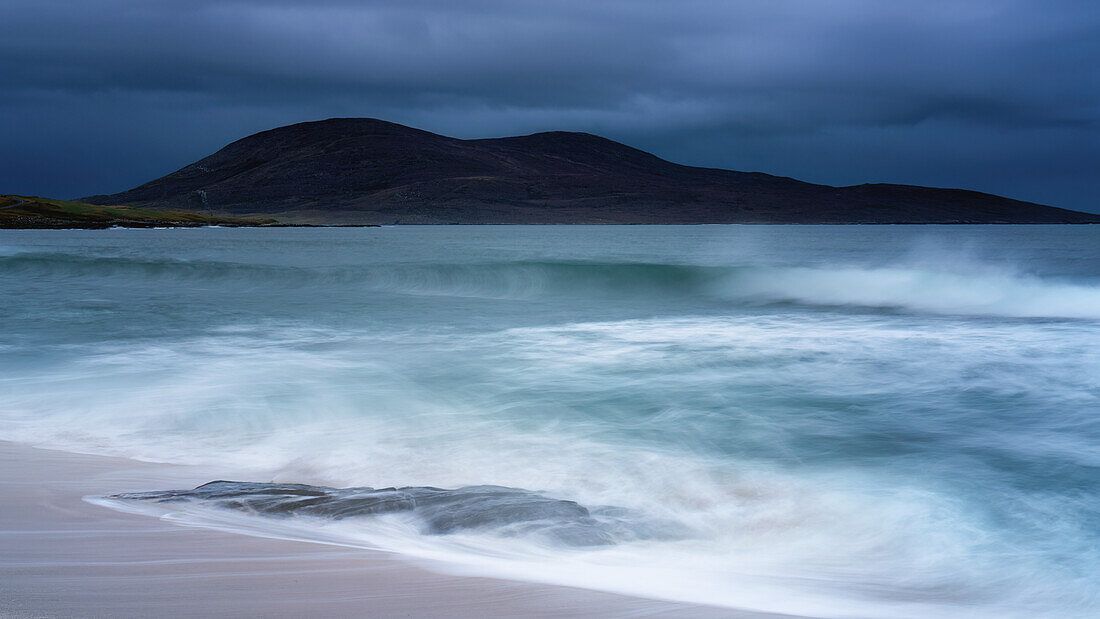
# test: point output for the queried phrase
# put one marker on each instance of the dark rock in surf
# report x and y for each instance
(496, 509)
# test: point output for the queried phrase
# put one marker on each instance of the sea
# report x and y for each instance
(837, 421)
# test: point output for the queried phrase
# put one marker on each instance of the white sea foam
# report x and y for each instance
(310, 405)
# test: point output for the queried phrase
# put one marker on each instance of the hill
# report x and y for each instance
(353, 170)
(37, 213)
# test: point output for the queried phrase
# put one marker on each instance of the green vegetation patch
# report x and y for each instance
(36, 212)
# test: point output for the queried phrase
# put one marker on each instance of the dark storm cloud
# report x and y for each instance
(999, 95)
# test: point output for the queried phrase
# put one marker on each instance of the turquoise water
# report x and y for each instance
(838, 420)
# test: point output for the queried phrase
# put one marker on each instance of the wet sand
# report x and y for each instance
(63, 557)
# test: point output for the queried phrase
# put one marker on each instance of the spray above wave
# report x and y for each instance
(967, 290)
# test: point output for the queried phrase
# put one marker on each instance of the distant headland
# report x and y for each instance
(368, 171)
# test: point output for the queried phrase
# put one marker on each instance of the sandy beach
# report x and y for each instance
(64, 557)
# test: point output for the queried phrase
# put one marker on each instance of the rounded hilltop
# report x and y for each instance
(367, 170)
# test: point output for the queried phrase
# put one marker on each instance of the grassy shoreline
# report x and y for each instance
(34, 212)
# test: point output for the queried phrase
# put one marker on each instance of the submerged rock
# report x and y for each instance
(436, 511)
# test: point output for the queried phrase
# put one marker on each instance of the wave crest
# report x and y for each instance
(906, 288)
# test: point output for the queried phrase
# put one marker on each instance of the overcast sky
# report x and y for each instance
(97, 96)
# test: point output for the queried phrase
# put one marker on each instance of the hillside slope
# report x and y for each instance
(371, 171)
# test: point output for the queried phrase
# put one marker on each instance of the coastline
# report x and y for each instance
(65, 557)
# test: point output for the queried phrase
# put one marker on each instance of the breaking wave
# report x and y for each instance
(967, 290)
